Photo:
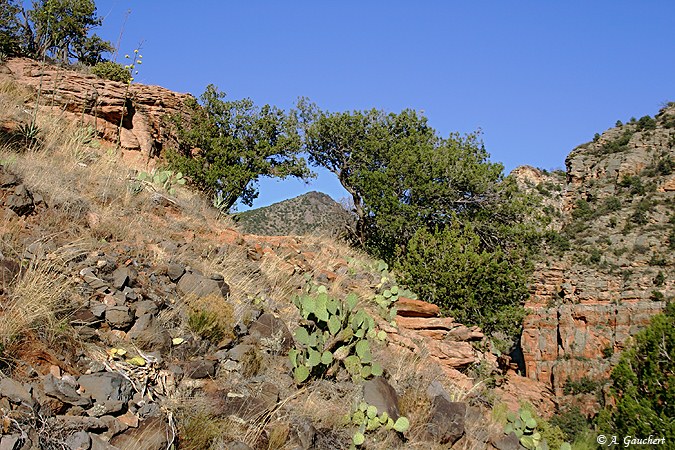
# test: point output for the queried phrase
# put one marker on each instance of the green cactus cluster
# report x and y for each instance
(388, 293)
(524, 426)
(334, 333)
(167, 179)
(367, 418)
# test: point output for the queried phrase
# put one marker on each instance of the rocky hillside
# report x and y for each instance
(310, 213)
(610, 264)
(134, 317)
(98, 106)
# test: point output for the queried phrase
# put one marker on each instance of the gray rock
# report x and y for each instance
(129, 293)
(306, 434)
(92, 280)
(118, 316)
(237, 352)
(15, 391)
(508, 442)
(152, 434)
(272, 333)
(78, 423)
(106, 408)
(379, 393)
(149, 410)
(10, 442)
(149, 334)
(64, 390)
(7, 179)
(97, 309)
(121, 277)
(79, 441)
(201, 368)
(106, 386)
(192, 284)
(99, 444)
(174, 271)
(146, 307)
(447, 422)
(21, 201)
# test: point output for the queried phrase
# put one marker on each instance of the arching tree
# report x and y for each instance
(226, 146)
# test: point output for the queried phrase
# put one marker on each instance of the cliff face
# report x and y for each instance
(609, 270)
(102, 104)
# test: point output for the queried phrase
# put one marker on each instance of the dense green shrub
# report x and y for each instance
(646, 123)
(584, 385)
(611, 204)
(572, 422)
(110, 70)
(634, 184)
(619, 144)
(643, 383)
(449, 268)
(583, 210)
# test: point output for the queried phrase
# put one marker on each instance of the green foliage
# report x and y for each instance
(369, 419)
(475, 286)
(572, 422)
(334, 333)
(206, 324)
(583, 210)
(660, 279)
(61, 28)
(10, 28)
(646, 123)
(225, 146)
(532, 432)
(557, 241)
(58, 28)
(409, 185)
(584, 385)
(611, 204)
(643, 383)
(643, 207)
(111, 71)
(30, 134)
(634, 185)
(524, 426)
(617, 145)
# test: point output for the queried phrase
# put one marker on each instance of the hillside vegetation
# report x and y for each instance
(310, 213)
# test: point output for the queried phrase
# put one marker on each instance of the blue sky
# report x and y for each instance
(538, 77)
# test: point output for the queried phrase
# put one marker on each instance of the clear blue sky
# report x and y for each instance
(538, 77)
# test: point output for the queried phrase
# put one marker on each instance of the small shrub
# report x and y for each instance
(209, 321)
(583, 210)
(646, 123)
(607, 352)
(660, 279)
(584, 385)
(617, 145)
(657, 296)
(109, 70)
(595, 256)
(571, 421)
(557, 241)
(634, 184)
(611, 204)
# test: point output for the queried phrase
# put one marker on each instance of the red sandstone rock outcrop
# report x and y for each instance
(586, 302)
(102, 104)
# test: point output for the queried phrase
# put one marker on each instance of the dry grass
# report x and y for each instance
(36, 299)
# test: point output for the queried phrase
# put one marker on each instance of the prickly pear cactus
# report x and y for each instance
(334, 334)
